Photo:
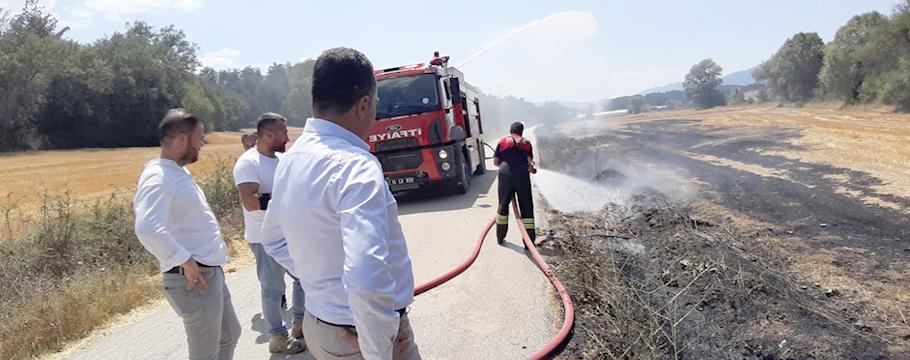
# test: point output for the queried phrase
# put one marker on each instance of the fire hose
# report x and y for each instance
(569, 318)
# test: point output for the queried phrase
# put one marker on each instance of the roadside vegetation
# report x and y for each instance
(72, 265)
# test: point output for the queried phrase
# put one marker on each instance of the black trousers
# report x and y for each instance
(509, 186)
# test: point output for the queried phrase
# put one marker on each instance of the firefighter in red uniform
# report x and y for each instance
(439, 61)
(516, 162)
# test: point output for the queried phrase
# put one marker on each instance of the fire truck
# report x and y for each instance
(427, 129)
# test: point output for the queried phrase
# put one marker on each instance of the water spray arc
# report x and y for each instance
(517, 31)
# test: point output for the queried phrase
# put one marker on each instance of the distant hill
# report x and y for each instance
(574, 105)
(742, 78)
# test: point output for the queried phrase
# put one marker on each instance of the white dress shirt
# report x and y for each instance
(334, 224)
(254, 167)
(173, 218)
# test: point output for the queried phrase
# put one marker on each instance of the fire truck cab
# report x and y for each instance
(428, 128)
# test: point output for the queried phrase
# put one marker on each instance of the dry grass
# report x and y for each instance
(710, 290)
(872, 140)
(89, 174)
(73, 265)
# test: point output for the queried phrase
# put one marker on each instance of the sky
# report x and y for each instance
(547, 50)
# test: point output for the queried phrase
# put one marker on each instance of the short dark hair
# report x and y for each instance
(517, 128)
(341, 76)
(267, 119)
(177, 121)
(436, 53)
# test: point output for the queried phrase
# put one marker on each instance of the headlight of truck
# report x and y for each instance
(443, 154)
(446, 166)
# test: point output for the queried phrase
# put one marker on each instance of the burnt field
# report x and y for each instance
(721, 248)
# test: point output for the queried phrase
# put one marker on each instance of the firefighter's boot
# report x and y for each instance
(502, 227)
(530, 228)
(501, 231)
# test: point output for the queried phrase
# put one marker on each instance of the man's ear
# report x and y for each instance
(365, 103)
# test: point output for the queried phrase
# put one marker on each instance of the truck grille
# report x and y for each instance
(396, 144)
(400, 160)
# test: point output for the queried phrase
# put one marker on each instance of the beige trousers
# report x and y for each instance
(330, 342)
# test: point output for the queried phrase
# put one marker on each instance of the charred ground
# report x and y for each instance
(772, 258)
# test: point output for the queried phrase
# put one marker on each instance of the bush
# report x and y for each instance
(69, 255)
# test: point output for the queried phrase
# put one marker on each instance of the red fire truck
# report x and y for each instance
(428, 128)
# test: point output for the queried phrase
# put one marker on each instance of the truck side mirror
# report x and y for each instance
(456, 90)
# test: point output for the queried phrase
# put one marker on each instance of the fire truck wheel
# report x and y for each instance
(464, 179)
(482, 167)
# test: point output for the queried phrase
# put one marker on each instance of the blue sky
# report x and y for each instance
(569, 50)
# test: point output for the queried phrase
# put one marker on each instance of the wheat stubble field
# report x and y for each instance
(89, 174)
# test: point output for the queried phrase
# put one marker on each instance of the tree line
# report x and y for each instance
(867, 62)
(57, 93)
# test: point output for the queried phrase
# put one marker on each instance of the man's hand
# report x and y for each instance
(193, 275)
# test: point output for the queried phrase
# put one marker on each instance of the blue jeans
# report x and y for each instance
(271, 281)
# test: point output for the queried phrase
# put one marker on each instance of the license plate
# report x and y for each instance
(401, 180)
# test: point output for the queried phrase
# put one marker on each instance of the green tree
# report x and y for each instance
(31, 51)
(701, 84)
(792, 72)
(737, 97)
(891, 81)
(298, 103)
(150, 72)
(852, 56)
(636, 104)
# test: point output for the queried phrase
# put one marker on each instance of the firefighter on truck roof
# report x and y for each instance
(515, 160)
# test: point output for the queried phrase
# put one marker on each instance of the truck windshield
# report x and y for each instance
(407, 95)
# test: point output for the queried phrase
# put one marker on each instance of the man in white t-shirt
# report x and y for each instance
(253, 175)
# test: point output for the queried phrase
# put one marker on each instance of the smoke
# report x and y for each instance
(583, 177)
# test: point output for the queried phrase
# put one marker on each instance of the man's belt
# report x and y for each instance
(401, 312)
(179, 270)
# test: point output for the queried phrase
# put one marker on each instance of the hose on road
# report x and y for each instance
(569, 318)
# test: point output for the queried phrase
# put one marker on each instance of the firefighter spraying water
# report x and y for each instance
(514, 156)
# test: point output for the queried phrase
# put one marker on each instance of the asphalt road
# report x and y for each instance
(500, 308)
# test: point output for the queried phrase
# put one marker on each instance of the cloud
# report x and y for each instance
(220, 59)
(120, 10)
(187, 5)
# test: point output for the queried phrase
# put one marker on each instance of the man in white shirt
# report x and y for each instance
(333, 222)
(175, 224)
(253, 176)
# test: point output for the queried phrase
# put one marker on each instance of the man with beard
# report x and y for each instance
(175, 223)
(253, 175)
